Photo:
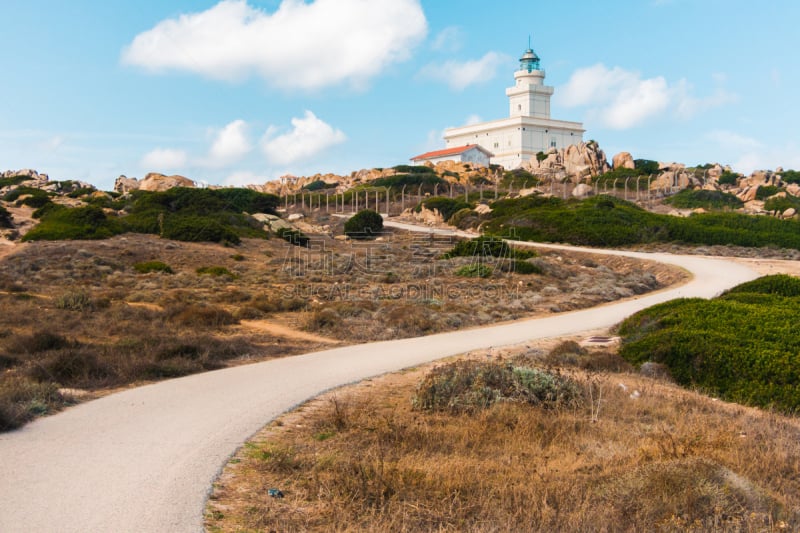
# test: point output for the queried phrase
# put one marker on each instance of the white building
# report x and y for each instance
(529, 128)
(470, 153)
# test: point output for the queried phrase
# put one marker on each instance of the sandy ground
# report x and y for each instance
(766, 267)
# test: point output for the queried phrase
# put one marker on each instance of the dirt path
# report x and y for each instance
(282, 330)
(766, 267)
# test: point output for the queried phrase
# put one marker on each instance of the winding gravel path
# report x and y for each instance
(144, 459)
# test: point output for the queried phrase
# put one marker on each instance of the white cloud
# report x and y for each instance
(622, 99)
(460, 75)
(163, 159)
(230, 144)
(449, 39)
(473, 119)
(244, 178)
(749, 154)
(308, 137)
(300, 45)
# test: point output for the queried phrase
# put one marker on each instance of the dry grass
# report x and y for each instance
(117, 325)
(634, 455)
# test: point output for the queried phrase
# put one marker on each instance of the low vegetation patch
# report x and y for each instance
(474, 271)
(469, 386)
(608, 221)
(692, 199)
(145, 267)
(447, 207)
(366, 224)
(184, 214)
(741, 346)
(215, 271)
(487, 246)
(6, 220)
(293, 236)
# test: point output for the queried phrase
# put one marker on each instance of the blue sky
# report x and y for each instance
(244, 91)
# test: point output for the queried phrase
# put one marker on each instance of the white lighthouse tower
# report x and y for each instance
(529, 128)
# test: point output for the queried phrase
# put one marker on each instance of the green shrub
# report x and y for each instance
(470, 386)
(487, 246)
(781, 204)
(318, 185)
(194, 228)
(646, 166)
(765, 191)
(741, 346)
(728, 178)
(427, 180)
(216, 271)
(6, 220)
(474, 271)
(14, 195)
(790, 176)
(293, 236)
(414, 169)
(777, 284)
(12, 180)
(152, 266)
(365, 224)
(524, 267)
(447, 207)
(590, 222)
(74, 223)
(541, 156)
(692, 199)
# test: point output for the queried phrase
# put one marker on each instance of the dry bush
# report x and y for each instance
(668, 460)
(201, 315)
(76, 367)
(22, 399)
(39, 341)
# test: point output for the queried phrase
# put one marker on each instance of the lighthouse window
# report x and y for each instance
(552, 142)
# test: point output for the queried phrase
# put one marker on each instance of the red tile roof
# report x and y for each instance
(448, 151)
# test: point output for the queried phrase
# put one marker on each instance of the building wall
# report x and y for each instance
(473, 156)
(513, 144)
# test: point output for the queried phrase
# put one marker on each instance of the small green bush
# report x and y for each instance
(474, 271)
(790, 176)
(293, 236)
(6, 220)
(765, 191)
(12, 180)
(447, 207)
(152, 266)
(487, 246)
(365, 224)
(692, 199)
(728, 178)
(216, 271)
(524, 267)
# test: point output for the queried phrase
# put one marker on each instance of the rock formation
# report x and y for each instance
(623, 160)
(151, 182)
(580, 161)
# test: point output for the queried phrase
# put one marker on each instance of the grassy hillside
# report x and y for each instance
(184, 214)
(742, 346)
(608, 221)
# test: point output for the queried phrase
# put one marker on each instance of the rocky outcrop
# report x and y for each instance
(623, 160)
(580, 161)
(25, 172)
(582, 191)
(151, 182)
